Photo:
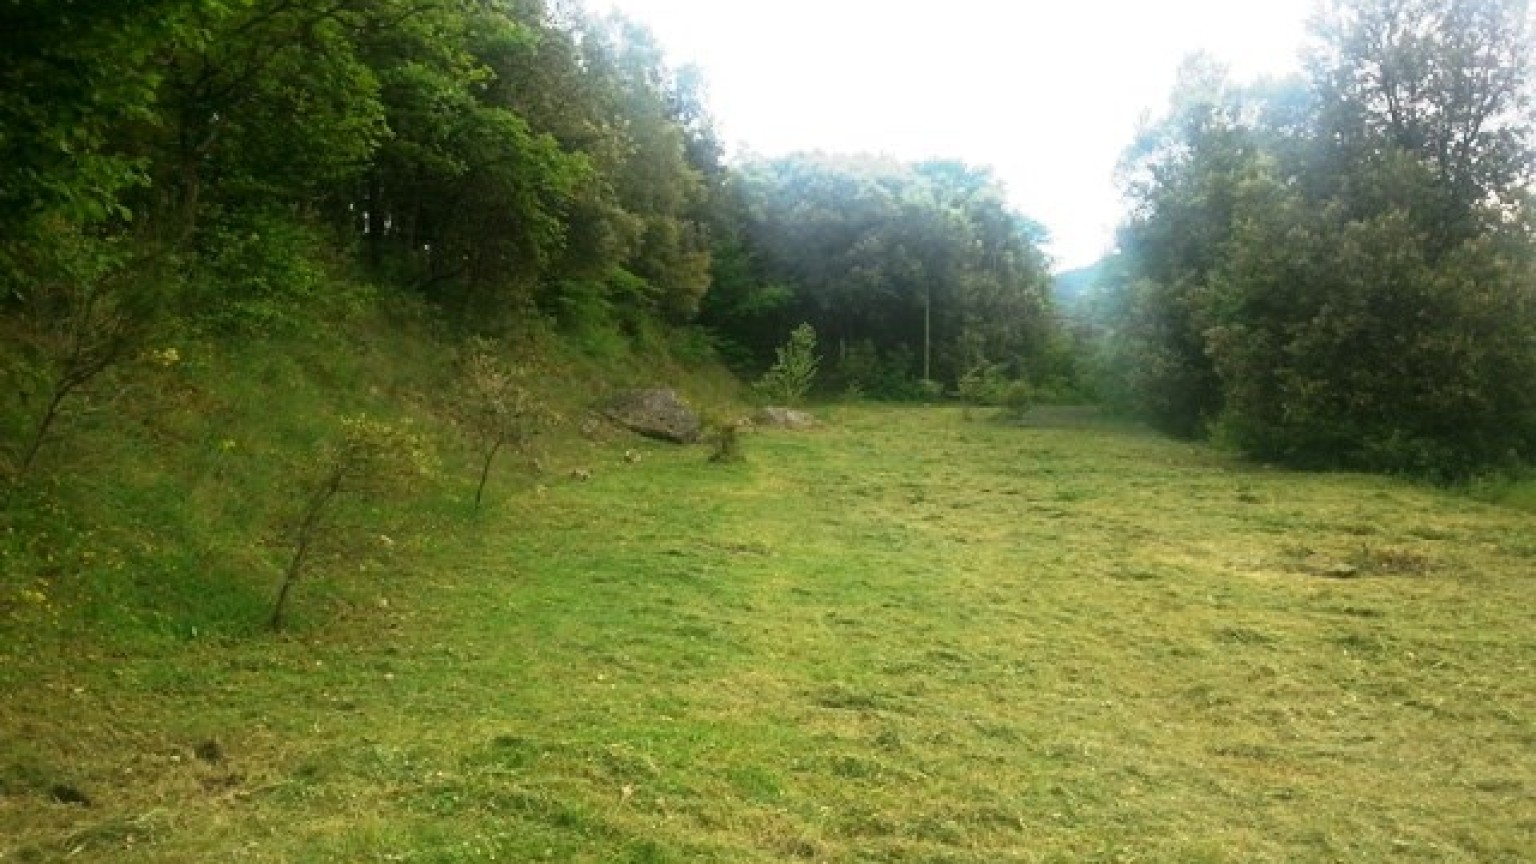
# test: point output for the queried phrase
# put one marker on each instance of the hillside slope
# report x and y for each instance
(165, 501)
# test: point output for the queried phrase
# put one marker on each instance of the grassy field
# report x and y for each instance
(908, 636)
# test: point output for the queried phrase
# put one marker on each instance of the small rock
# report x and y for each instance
(775, 417)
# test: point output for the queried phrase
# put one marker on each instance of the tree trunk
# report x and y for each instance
(485, 472)
(308, 528)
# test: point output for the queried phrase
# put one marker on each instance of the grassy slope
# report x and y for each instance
(905, 637)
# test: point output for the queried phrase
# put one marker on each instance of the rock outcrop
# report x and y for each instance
(657, 413)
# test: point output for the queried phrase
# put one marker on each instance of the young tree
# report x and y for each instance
(793, 373)
(370, 459)
(498, 407)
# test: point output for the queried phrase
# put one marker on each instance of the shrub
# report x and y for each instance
(857, 370)
(262, 274)
(793, 373)
(1018, 398)
(988, 386)
(984, 385)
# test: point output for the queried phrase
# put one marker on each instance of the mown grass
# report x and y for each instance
(907, 636)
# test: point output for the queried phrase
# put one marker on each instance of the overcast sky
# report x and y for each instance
(1047, 93)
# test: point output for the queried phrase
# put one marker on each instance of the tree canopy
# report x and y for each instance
(493, 155)
(1340, 270)
(1335, 270)
(905, 270)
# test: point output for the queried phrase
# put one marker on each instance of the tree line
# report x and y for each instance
(237, 168)
(909, 273)
(491, 155)
(1333, 271)
(1339, 270)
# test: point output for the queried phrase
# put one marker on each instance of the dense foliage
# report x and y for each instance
(1340, 271)
(226, 169)
(490, 153)
(907, 272)
(1334, 271)
(221, 170)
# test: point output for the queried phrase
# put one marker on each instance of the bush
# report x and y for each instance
(263, 274)
(984, 385)
(725, 444)
(988, 386)
(1018, 398)
(792, 374)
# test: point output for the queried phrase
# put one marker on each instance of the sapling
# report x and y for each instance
(499, 408)
(87, 311)
(370, 459)
(794, 368)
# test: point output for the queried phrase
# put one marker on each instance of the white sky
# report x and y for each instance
(1047, 93)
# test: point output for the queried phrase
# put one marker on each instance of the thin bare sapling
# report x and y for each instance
(368, 460)
(499, 407)
(86, 307)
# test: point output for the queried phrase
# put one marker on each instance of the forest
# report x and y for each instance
(1332, 271)
(224, 171)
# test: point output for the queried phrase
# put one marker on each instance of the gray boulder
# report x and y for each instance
(655, 413)
(784, 418)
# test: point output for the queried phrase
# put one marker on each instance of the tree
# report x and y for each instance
(499, 407)
(1436, 88)
(1338, 274)
(925, 263)
(1182, 176)
(369, 459)
(794, 370)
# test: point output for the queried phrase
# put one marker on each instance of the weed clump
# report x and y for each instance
(725, 443)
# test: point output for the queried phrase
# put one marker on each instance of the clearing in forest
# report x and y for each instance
(906, 636)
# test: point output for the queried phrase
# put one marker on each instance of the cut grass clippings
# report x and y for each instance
(906, 636)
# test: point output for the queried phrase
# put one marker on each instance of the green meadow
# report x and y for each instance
(912, 635)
